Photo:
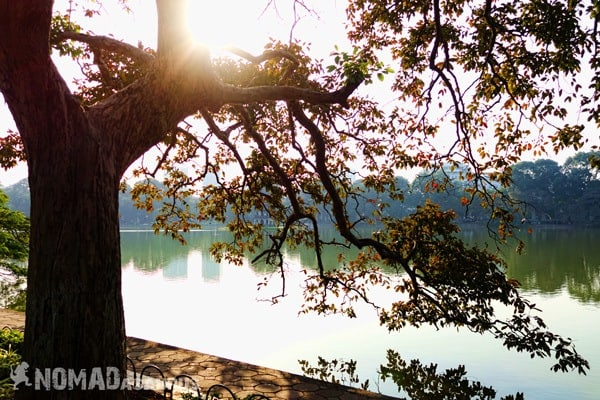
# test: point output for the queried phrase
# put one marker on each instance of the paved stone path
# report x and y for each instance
(242, 378)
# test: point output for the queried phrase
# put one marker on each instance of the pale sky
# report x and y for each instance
(221, 23)
(227, 23)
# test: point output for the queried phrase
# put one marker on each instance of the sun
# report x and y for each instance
(218, 24)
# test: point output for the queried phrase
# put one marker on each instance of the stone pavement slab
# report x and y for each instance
(208, 370)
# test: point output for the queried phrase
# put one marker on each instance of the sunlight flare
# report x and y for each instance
(228, 23)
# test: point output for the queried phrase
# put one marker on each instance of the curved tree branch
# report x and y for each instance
(265, 56)
(269, 55)
(109, 44)
(337, 204)
(235, 95)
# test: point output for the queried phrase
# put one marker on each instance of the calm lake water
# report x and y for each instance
(178, 295)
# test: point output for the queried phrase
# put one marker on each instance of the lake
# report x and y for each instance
(178, 295)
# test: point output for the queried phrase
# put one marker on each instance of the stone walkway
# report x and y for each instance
(207, 370)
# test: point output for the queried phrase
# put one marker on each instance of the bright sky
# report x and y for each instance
(218, 23)
(244, 24)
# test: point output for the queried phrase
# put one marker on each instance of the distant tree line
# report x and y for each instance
(567, 194)
(545, 192)
(549, 193)
(131, 216)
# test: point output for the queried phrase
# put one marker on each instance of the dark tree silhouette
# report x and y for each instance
(299, 125)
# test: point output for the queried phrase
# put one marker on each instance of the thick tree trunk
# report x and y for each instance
(74, 330)
(74, 333)
(74, 320)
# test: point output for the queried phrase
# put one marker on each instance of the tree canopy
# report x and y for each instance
(495, 79)
(14, 231)
(14, 246)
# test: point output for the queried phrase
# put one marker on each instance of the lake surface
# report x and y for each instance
(178, 295)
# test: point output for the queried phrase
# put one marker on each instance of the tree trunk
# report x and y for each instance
(74, 319)
(74, 332)
(74, 328)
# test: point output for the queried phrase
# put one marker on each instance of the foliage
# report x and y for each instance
(19, 198)
(548, 193)
(357, 67)
(11, 339)
(13, 295)
(424, 382)
(11, 150)
(558, 194)
(63, 23)
(11, 346)
(14, 230)
(14, 242)
(418, 381)
(334, 371)
(492, 81)
(8, 358)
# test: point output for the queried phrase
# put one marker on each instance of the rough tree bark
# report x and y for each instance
(76, 158)
(74, 314)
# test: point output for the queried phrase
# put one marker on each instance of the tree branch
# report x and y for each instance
(265, 56)
(109, 44)
(235, 95)
(269, 55)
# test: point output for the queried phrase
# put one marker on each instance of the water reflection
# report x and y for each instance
(211, 307)
(554, 259)
(211, 270)
(149, 252)
(176, 269)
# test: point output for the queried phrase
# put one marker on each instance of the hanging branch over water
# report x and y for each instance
(300, 134)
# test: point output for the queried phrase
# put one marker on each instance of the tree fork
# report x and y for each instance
(76, 157)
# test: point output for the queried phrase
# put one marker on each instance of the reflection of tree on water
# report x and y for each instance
(176, 269)
(557, 258)
(588, 289)
(211, 270)
(149, 252)
(553, 258)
